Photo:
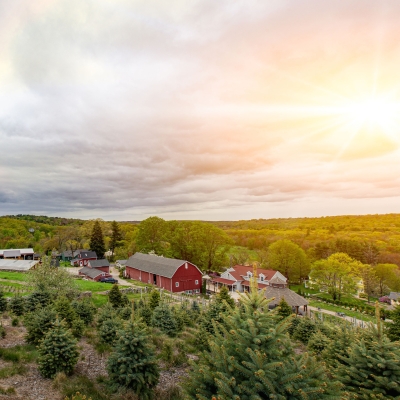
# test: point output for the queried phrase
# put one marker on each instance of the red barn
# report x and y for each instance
(167, 273)
(96, 269)
(82, 258)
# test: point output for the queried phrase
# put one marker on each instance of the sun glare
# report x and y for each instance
(372, 113)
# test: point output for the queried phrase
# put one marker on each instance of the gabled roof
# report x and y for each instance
(238, 271)
(155, 265)
(87, 254)
(22, 251)
(98, 263)
(69, 253)
(90, 272)
(292, 298)
(17, 265)
(278, 281)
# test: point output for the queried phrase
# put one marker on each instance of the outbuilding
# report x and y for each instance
(167, 273)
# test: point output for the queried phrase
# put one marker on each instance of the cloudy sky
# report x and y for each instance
(216, 110)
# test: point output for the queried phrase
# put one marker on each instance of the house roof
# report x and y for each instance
(394, 296)
(224, 281)
(87, 254)
(17, 265)
(154, 264)
(69, 253)
(292, 298)
(90, 272)
(121, 262)
(277, 280)
(260, 285)
(22, 251)
(238, 271)
(99, 263)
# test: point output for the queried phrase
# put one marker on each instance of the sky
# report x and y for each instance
(211, 110)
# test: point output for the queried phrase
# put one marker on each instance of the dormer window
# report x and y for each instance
(261, 278)
(249, 274)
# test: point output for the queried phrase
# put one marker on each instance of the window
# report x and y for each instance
(188, 292)
(196, 282)
(176, 284)
(261, 278)
(197, 290)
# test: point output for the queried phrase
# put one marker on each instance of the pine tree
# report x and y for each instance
(371, 369)
(251, 357)
(57, 352)
(17, 305)
(223, 296)
(305, 329)
(38, 323)
(339, 345)
(97, 241)
(37, 299)
(284, 310)
(115, 296)
(65, 311)
(133, 364)
(393, 328)
(163, 319)
(116, 236)
(154, 299)
(108, 330)
(85, 310)
(106, 312)
(3, 302)
(146, 313)
(318, 342)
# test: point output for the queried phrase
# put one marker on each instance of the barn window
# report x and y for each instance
(196, 282)
(176, 284)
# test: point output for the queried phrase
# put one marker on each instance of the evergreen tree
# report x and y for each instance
(37, 299)
(115, 296)
(108, 330)
(371, 369)
(38, 323)
(393, 328)
(339, 345)
(318, 342)
(65, 311)
(125, 313)
(251, 358)
(163, 319)
(305, 329)
(154, 299)
(146, 313)
(107, 312)
(284, 310)
(17, 305)
(133, 364)
(223, 296)
(116, 236)
(85, 310)
(97, 241)
(3, 302)
(57, 352)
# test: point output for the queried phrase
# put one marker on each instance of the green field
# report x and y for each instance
(92, 286)
(331, 307)
(13, 276)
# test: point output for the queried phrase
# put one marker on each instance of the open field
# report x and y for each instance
(13, 276)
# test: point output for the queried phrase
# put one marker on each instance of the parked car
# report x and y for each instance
(109, 280)
(340, 314)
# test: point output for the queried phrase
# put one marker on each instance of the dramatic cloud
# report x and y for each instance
(199, 109)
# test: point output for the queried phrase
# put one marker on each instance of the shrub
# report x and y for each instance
(145, 313)
(57, 352)
(37, 299)
(65, 311)
(154, 299)
(107, 312)
(17, 305)
(77, 328)
(318, 342)
(125, 313)
(3, 302)
(2, 332)
(15, 321)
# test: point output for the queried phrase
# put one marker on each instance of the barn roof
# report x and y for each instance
(22, 251)
(17, 265)
(292, 298)
(90, 272)
(154, 264)
(99, 263)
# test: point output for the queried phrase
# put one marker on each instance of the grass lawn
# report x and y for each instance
(14, 276)
(99, 300)
(139, 283)
(92, 286)
(331, 307)
(295, 288)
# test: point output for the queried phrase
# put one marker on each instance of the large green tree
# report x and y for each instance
(370, 280)
(387, 277)
(338, 273)
(152, 236)
(251, 357)
(289, 259)
(116, 237)
(97, 240)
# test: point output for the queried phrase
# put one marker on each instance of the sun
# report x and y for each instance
(372, 113)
